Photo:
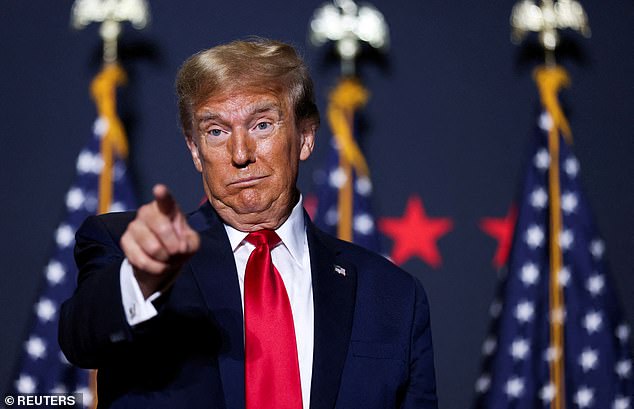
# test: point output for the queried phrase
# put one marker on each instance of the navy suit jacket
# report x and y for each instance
(372, 346)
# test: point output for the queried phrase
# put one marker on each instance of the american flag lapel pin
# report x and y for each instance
(340, 270)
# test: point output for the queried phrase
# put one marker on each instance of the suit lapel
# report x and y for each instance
(334, 290)
(214, 269)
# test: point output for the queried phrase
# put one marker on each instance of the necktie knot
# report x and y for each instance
(261, 237)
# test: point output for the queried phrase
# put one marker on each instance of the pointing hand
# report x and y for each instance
(158, 242)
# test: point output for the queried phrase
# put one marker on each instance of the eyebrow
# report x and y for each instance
(261, 107)
(253, 109)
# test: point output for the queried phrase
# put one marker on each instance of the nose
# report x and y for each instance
(241, 148)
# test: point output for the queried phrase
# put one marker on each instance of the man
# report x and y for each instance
(244, 303)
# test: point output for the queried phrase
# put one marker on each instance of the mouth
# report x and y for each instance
(246, 181)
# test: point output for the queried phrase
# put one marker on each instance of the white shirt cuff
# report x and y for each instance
(137, 308)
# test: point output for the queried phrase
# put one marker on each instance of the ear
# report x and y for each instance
(308, 129)
(194, 150)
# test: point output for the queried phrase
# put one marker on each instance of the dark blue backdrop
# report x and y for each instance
(451, 112)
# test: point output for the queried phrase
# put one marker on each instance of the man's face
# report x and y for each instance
(247, 146)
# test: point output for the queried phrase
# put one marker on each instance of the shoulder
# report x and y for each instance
(112, 224)
(372, 268)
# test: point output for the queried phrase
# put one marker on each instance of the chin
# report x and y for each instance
(251, 201)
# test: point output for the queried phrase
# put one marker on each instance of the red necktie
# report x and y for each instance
(271, 366)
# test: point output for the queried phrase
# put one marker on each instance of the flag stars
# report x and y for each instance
(569, 202)
(588, 359)
(483, 383)
(547, 393)
(337, 178)
(35, 347)
(100, 127)
(592, 322)
(25, 384)
(363, 186)
(119, 171)
(542, 159)
(45, 309)
(529, 274)
(117, 207)
(597, 248)
(55, 272)
(539, 198)
(75, 198)
(558, 314)
(332, 216)
(514, 387)
(623, 368)
(595, 284)
(64, 236)
(563, 276)
(91, 202)
(495, 309)
(566, 238)
(571, 167)
(363, 224)
(545, 121)
(534, 236)
(489, 345)
(551, 354)
(623, 333)
(59, 388)
(524, 311)
(519, 349)
(621, 402)
(87, 162)
(584, 397)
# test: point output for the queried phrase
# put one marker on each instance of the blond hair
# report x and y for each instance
(256, 62)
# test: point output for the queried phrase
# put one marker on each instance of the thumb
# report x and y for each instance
(192, 238)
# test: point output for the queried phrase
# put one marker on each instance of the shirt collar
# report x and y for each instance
(292, 232)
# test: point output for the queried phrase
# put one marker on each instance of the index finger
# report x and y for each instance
(165, 201)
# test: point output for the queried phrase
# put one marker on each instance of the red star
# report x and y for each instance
(501, 229)
(415, 234)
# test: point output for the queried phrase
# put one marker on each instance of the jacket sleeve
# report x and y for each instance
(92, 322)
(421, 390)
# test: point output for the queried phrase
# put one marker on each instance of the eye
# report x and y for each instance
(263, 126)
(215, 132)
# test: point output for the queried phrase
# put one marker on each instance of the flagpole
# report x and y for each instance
(111, 14)
(556, 295)
(339, 23)
(103, 88)
(525, 359)
(546, 20)
(348, 96)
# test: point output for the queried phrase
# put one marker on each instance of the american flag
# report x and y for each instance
(329, 180)
(42, 367)
(518, 352)
(339, 174)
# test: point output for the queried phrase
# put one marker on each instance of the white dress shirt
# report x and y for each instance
(292, 260)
